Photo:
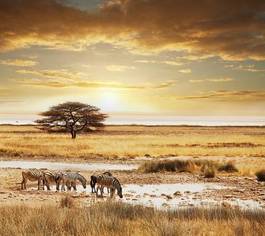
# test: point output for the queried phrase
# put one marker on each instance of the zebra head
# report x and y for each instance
(82, 179)
(119, 192)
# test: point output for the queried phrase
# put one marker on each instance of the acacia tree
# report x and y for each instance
(72, 117)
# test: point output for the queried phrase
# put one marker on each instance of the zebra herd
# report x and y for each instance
(70, 179)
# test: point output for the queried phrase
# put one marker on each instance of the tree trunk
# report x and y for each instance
(73, 133)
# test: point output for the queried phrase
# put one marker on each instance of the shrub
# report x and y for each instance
(186, 166)
(261, 175)
(228, 167)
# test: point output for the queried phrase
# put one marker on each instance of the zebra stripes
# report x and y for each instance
(110, 182)
(93, 181)
(46, 177)
(32, 175)
(52, 176)
(70, 179)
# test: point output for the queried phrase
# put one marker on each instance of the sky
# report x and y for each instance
(133, 58)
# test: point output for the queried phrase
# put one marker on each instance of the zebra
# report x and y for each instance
(70, 179)
(32, 175)
(93, 181)
(111, 182)
(52, 176)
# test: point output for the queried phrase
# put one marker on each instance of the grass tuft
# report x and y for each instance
(228, 167)
(67, 201)
(167, 165)
(209, 172)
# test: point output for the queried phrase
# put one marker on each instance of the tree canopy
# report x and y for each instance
(72, 117)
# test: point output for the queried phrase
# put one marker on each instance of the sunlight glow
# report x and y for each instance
(109, 100)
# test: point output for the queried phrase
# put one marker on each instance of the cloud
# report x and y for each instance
(233, 30)
(185, 71)
(168, 62)
(249, 68)
(229, 96)
(7, 101)
(195, 81)
(19, 62)
(217, 80)
(195, 57)
(173, 63)
(54, 74)
(5, 96)
(83, 83)
(119, 68)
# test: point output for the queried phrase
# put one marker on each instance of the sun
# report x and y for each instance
(109, 100)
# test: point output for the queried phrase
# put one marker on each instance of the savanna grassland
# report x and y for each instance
(217, 155)
(245, 145)
(134, 141)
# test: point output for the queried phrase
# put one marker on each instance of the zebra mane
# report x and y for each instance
(118, 182)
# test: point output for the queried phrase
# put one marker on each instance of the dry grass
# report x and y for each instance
(168, 165)
(209, 172)
(133, 141)
(121, 219)
(125, 142)
(67, 201)
(228, 167)
(207, 167)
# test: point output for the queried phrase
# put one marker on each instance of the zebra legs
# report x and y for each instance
(23, 183)
(73, 184)
(57, 185)
(112, 191)
(46, 183)
(39, 183)
(101, 191)
(63, 186)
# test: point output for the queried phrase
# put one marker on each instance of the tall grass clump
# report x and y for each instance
(228, 167)
(261, 175)
(67, 201)
(176, 165)
(167, 165)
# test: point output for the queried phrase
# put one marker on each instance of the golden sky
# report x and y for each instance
(138, 57)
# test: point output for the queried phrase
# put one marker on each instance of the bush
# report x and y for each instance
(228, 167)
(261, 175)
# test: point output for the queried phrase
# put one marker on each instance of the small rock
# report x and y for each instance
(177, 193)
